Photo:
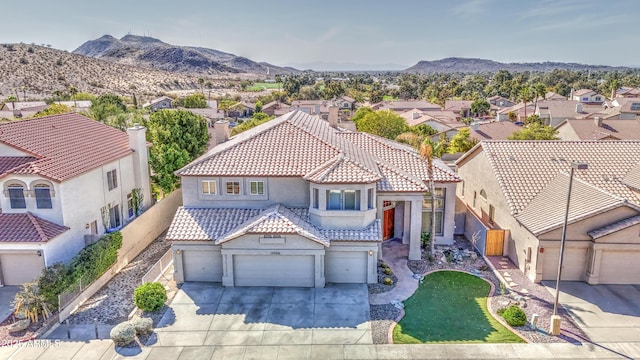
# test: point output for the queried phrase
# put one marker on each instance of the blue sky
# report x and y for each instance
(298, 32)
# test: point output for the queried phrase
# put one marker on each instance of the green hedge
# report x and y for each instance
(89, 264)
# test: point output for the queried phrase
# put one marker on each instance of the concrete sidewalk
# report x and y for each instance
(395, 254)
(104, 349)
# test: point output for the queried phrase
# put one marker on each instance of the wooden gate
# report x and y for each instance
(387, 224)
(495, 243)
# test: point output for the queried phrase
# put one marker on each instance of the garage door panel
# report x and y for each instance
(18, 269)
(202, 265)
(274, 270)
(618, 267)
(574, 264)
(346, 267)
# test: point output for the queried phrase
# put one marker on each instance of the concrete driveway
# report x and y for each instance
(7, 294)
(606, 313)
(208, 314)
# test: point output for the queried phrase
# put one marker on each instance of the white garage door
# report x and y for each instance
(202, 265)
(18, 269)
(574, 264)
(620, 268)
(346, 267)
(274, 270)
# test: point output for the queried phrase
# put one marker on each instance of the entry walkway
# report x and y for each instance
(395, 254)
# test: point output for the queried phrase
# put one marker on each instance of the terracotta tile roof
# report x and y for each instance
(66, 145)
(457, 105)
(277, 220)
(587, 129)
(612, 228)
(298, 144)
(583, 92)
(524, 168)
(405, 105)
(222, 224)
(545, 212)
(28, 228)
(497, 130)
(7, 163)
(632, 178)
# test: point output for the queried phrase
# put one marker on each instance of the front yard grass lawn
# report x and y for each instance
(264, 86)
(450, 306)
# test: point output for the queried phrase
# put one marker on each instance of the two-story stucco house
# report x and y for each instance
(519, 189)
(65, 179)
(299, 202)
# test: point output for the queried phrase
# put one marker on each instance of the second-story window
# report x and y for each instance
(209, 187)
(112, 179)
(370, 199)
(256, 187)
(343, 199)
(16, 196)
(316, 198)
(233, 188)
(43, 196)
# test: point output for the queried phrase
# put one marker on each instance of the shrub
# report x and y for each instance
(387, 281)
(53, 281)
(387, 271)
(142, 325)
(123, 334)
(501, 311)
(425, 239)
(95, 259)
(150, 296)
(29, 303)
(514, 316)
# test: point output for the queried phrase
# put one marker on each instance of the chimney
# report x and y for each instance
(317, 109)
(333, 116)
(475, 126)
(571, 95)
(221, 128)
(579, 108)
(598, 121)
(138, 143)
(416, 115)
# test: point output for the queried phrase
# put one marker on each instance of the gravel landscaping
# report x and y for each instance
(380, 287)
(462, 256)
(114, 302)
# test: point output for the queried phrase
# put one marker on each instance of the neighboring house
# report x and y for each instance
(552, 96)
(518, 189)
(298, 202)
(65, 180)
(554, 112)
(346, 103)
(159, 104)
(444, 122)
(401, 106)
(241, 110)
(628, 92)
(24, 106)
(500, 102)
(599, 129)
(311, 107)
(462, 108)
(497, 130)
(587, 96)
(273, 107)
(518, 110)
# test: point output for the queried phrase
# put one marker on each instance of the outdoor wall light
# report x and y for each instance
(178, 252)
(39, 253)
(370, 252)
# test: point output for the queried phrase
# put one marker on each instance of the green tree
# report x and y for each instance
(535, 131)
(258, 106)
(53, 109)
(258, 119)
(12, 99)
(426, 152)
(534, 119)
(526, 96)
(461, 142)
(423, 129)
(383, 123)
(178, 137)
(362, 112)
(194, 101)
(480, 107)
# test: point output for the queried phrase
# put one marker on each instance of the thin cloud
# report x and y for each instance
(471, 8)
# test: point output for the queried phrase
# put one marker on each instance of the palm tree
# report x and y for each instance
(539, 90)
(525, 96)
(426, 152)
(201, 83)
(614, 85)
(209, 86)
(73, 91)
(12, 99)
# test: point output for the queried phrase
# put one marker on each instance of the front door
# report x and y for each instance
(387, 224)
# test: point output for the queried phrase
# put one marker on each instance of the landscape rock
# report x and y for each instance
(142, 325)
(123, 334)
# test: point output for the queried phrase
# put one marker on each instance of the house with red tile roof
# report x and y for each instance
(298, 201)
(65, 180)
(515, 193)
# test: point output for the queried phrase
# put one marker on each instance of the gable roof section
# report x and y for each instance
(8, 163)
(524, 168)
(221, 224)
(615, 227)
(28, 228)
(340, 170)
(545, 212)
(618, 129)
(497, 130)
(276, 220)
(66, 145)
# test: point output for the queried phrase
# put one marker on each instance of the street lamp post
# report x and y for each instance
(555, 318)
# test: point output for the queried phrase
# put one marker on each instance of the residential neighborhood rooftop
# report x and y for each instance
(26, 227)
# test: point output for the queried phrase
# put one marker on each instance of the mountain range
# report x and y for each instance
(153, 53)
(472, 65)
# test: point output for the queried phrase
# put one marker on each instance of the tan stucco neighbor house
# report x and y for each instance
(521, 187)
(298, 201)
(65, 179)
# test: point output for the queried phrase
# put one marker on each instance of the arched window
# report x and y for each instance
(483, 195)
(43, 196)
(16, 196)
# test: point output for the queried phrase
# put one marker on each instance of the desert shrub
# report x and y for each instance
(387, 281)
(123, 334)
(142, 325)
(29, 303)
(514, 316)
(501, 311)
(150, 296)
(387, 271)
